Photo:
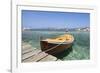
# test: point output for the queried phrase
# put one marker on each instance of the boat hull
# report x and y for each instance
(54, 48)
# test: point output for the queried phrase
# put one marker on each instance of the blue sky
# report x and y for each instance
(48, 19)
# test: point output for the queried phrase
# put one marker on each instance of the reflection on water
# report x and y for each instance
(79, 51)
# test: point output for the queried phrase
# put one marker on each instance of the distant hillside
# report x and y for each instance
(58, 29)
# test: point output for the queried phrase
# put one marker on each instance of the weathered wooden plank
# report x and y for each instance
(27, 51)
(48, 58)
(29, 54)
(36, 57)
(26, 47)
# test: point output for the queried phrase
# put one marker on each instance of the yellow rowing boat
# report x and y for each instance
(57, 45)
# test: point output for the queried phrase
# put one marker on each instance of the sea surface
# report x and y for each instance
(79, 51)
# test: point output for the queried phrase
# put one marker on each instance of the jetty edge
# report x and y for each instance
(30, 54)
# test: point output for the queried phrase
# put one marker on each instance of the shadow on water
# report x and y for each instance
(64, 53)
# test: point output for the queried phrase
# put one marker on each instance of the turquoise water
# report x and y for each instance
(79, 51)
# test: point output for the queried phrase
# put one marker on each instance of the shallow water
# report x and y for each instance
(79, 51)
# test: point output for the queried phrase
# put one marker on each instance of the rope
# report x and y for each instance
(54, 47)
(51, 48)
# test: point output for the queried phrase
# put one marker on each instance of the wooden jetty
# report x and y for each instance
(30, 54)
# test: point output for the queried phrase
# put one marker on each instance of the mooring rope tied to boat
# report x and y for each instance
(50, 48)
